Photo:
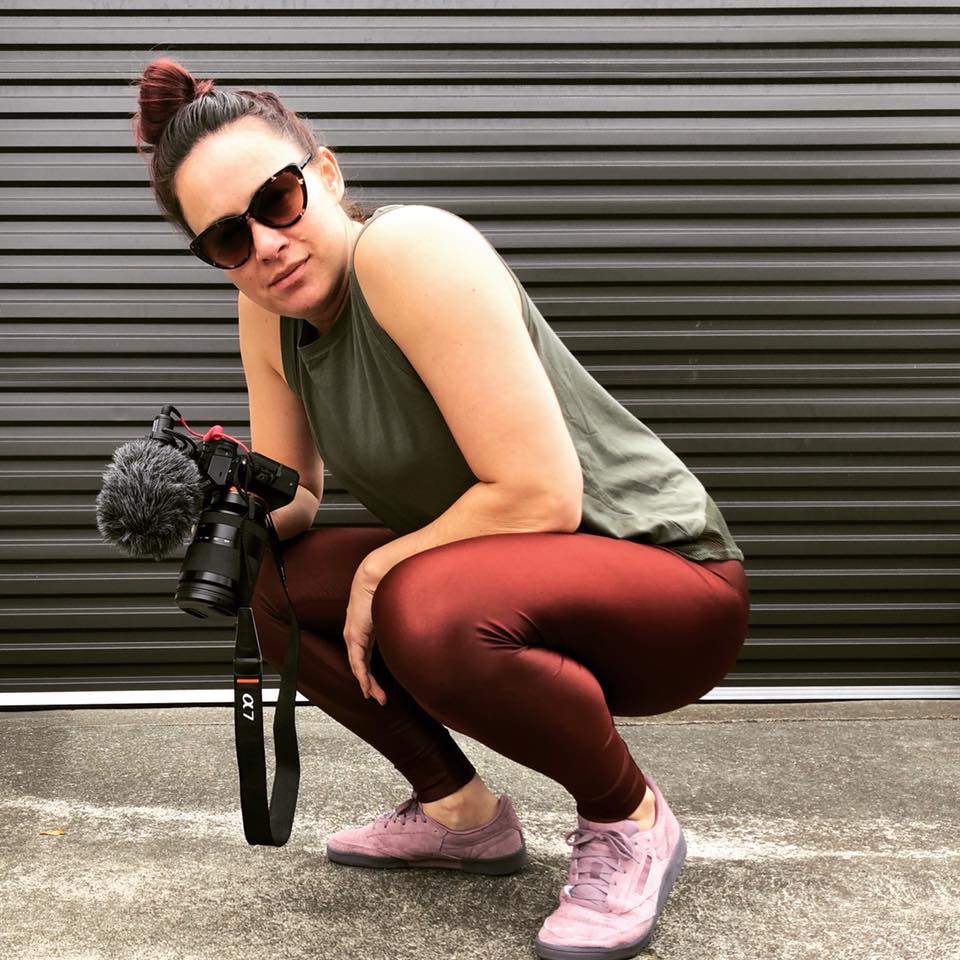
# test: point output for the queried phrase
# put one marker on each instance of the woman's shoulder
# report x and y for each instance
(402, 224)
(430, 242)
(406, 217)
(259, 333)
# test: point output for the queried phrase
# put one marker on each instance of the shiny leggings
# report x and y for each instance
(529, 643)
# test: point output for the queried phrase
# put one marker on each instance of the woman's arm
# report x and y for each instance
(278, 423)
(296, 516)
(438, 288)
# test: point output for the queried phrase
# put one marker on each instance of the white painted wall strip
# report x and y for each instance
(183, 698)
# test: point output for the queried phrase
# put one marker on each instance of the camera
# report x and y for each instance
(239, 488)
(170, 485)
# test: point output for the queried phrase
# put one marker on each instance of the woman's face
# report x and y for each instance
(218, 179)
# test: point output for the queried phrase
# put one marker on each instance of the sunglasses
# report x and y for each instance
(279, 202)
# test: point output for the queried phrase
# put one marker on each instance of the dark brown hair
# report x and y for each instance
(177, 110)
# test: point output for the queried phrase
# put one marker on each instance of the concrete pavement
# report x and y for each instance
(815, 830)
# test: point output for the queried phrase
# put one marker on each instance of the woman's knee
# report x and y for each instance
(414, 619)
(267, 598)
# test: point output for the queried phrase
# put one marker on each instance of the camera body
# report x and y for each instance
(240, 487)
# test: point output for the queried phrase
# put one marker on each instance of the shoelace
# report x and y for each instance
(409, 808)
(597, 857)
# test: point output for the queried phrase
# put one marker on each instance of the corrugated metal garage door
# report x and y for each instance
(743, 223)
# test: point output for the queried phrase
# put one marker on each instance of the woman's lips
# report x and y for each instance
(289, 278)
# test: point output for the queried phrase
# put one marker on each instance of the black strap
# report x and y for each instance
(269, 826)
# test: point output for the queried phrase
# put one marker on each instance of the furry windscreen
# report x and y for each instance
(151, 498)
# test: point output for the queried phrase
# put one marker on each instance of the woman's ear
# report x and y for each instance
(330, 173)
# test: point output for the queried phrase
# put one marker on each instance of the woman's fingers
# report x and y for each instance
(376, 691)
(359, 658)
(358, 666)
(358, 634)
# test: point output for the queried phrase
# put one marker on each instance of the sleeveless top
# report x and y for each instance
(378, 429)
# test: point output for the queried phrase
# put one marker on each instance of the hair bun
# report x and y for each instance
(165, 87)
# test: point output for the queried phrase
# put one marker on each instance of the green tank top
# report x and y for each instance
(383, 437)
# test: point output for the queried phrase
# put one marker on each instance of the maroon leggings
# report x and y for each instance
(529, 643)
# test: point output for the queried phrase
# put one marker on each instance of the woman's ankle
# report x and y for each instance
(472, 805)
(646, 813)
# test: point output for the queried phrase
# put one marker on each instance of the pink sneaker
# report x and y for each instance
(619, 878)
(408, 837)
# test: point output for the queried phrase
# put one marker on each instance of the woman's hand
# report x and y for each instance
(358, 634)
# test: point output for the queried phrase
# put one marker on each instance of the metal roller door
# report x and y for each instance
(742, 220)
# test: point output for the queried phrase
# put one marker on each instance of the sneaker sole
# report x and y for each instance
(548, 951)
(493, 867)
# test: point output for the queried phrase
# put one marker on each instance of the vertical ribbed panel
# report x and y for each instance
(743, 221)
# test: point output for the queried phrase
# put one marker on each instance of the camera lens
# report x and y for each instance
(214, 580)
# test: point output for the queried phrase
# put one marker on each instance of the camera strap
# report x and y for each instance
(263, 824)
